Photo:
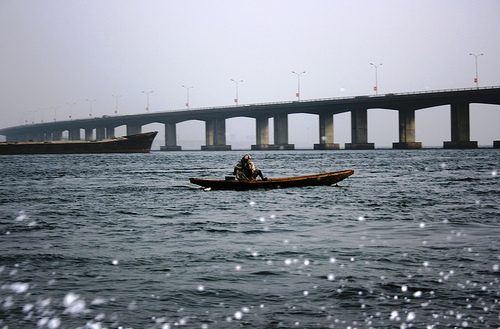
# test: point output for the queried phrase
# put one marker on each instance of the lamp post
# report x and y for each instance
(32, 117)
(376, 78)
(116, 99)
(236, 82)
(90, 101)
(43, 111)
(187, 89)
(476, 78)
(147, 99)
(70, 109)
(55, 112)
(298, 83)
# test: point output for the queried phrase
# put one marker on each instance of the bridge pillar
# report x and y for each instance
(407, 131)
(30, 137)
(133, 129)
(281, 133)
(49, 137)
(326, 133)
(215, 132)
(100, 133)
(460, 128)
(74, 134)
(13, 138)
(110, 132)
(262, 134)
(57, 135)
(170, 138)
(39, 137)
(359, 131)
(89, 134)
(26, 137)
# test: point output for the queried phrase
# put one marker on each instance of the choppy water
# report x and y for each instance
(412, 239)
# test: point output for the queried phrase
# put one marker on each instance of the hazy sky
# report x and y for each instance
(55, 52)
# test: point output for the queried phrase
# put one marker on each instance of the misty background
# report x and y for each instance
(58, 56)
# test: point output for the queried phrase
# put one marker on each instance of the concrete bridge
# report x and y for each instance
(215, 120)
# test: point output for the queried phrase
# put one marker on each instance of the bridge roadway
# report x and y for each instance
(405, 103)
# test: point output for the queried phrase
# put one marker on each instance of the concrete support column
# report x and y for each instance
(209, 133)
(326, 133)
(57, 135)
(49, 136)
(215, 133)
(89, 134)
(100, 133)
(133, 129)
(110, 132)
(359, 131)
(460, 128)
(170, 138)
(30, 137)
(74, 134)
(281, 133)
(40, 137)
(261, 134)
(407, 131)
(220, 133)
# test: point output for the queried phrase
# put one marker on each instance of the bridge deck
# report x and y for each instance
(405, 103)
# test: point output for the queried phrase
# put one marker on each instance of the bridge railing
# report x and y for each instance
(328, 99)
(290, 102)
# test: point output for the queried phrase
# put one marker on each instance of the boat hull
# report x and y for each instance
(139, 143)
(299, 181)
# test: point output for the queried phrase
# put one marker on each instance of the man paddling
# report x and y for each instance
(245, 169)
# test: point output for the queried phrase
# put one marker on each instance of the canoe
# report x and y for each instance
(139, 143)
(272, 183)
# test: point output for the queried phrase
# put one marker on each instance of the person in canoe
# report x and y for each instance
(245, 169)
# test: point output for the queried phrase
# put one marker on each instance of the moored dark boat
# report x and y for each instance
(139, 143)
(298, 181)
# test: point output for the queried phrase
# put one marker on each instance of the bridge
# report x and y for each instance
(215, 125)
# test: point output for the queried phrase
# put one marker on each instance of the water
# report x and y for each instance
(125, 241)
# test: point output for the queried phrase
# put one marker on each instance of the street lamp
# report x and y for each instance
(187, 89)
(476, 78)
(43, 111)
(298, 83)
(116, 98)
(90, 101)
(376, 78)
(55, 112)
(32, 117)
(236, 82)
(70, 109)
(147, 99)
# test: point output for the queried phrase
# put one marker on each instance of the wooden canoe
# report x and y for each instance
(271, 183)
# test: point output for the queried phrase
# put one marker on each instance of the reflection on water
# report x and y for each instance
(124, 241)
